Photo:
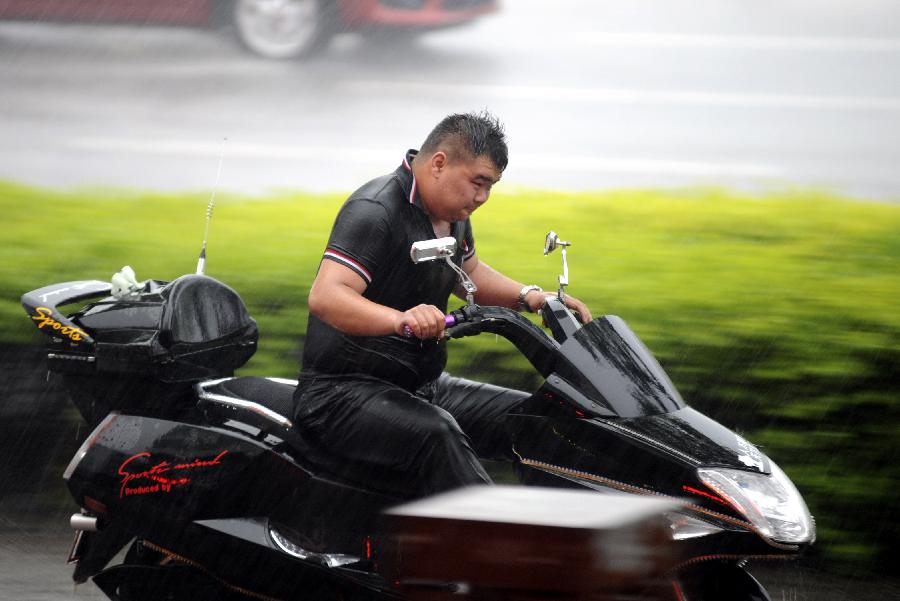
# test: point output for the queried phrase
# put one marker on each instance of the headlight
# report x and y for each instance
(771, 503)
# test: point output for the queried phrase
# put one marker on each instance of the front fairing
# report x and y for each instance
(649, 455)
(609, 408)
(604, 369)
(694, 438)
(659, 453)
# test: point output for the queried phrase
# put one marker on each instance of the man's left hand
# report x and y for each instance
(535, 301)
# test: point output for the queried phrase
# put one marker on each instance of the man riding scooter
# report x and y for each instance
(372, 395)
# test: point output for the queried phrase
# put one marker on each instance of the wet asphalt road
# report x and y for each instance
(798, 93)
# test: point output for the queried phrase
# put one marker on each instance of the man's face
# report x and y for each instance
(461, 187)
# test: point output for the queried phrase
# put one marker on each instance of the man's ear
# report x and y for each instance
(438, 162)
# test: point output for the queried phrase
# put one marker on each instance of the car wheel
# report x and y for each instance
(281, 28)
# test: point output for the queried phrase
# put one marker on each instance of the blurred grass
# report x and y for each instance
(774, 314)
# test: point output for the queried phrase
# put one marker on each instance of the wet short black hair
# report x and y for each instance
(468, 136)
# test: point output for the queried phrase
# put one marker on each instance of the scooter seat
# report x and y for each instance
(272, 398)
(266, 405)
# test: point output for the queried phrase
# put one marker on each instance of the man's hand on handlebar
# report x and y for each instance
(422, 321)
(535, 301)
(581, 309)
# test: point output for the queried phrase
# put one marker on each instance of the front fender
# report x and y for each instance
(717, 581)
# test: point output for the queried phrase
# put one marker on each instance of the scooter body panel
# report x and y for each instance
(161, 476)
(176, 472)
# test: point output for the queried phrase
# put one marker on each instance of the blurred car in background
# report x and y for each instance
(270, 28)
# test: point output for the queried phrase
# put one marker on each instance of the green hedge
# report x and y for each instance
(774, 314)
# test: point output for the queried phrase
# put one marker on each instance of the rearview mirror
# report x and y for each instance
(429, 250)
(443, 248)
(552, 241)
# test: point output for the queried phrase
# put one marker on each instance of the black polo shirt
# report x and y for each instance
(372, 235)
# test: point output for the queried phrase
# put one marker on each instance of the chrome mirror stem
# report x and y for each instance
(564, 278)
(551, 243)
(464, 279)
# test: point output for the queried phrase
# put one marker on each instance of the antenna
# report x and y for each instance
(201, 261)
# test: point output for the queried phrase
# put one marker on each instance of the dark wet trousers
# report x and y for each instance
(372, 433)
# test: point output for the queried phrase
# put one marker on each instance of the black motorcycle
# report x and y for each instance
(195, 484)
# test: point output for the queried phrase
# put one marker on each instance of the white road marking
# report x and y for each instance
(735, 42)
(383, 158)
(602, 164)
(245, 150)
(483, 92)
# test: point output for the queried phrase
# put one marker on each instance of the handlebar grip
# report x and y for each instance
(449, 321)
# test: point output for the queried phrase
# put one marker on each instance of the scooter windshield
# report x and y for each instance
(607, 362)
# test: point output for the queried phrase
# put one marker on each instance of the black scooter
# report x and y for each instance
(203, 483)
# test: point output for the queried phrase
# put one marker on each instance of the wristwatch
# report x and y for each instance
(523, 293)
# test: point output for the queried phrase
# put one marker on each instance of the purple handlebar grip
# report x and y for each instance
(449, 321)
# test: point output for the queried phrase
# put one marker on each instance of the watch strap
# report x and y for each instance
(524, 292)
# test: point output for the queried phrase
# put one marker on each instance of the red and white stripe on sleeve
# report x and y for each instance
(344, 259)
